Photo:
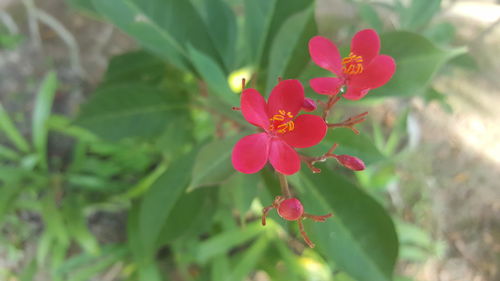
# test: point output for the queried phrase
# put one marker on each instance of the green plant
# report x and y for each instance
(153, 143)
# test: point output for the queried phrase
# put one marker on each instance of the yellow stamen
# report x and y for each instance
(278, 117)
(352, 64)
(284, 127)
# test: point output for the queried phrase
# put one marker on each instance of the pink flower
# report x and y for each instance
(282, 129)
(364, 69)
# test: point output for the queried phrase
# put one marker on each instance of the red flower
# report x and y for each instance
(282, 129)
(364, 69)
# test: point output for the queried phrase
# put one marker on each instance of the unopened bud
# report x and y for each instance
(351, 162)
(291, 209)
(309, 105)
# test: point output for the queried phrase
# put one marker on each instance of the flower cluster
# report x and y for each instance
(282, 128)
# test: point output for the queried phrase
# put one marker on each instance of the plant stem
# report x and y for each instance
(332, 100)
(284, 185)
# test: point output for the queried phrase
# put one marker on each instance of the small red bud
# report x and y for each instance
(291, 209)
(351, 162)
(309, 105)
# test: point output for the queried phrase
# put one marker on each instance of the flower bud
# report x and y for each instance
(309, 105)
(351, 162)
(291, 209)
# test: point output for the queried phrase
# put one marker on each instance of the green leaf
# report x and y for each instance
(134, 242)
(287, 57)
(411, 234)
(158, 202)
(54, 222)
(213, 163)
(221, 21)
(9, 196)
(188, 217)
(64, 125)
(214, 76)
(137, 66)
(369, 15)
(342, 276)
(146, 182)
(349, 143)
(242, 188)
(398, 132)
(434, 95)
(109, 257)
(28, 272)
(129, 110)
(360, 238)
(441, 33)
(8, 154)
(417, 61)
(77, 225)
(263, 20)
(257, 18)
(182, 20)
(166, 27)
(219, 267)
(249, 260)
(413, 254)
(41, 113)
(283, 9)
(130, 17)
(419, 13)
(11, 132)
(225, 241)
(150, 272)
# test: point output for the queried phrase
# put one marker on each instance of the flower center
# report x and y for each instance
(352, 64)
(281, 122)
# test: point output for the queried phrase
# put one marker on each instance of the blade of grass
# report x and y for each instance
(8, 154)
(249, 259)
(41, 113)
(12, 133)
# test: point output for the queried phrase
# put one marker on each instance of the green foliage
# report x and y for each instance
(11, 132)
(369, 14)
(285, 61)
(112, 109)
(213, 163)
(417, 62)
(153, 144)
(159, 201)
(221, 21)
(362, 235)
(419, 13)
(41, 112)
(214, 76)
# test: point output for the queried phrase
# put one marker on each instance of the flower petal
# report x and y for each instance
(325, 54)
(288, 95)
(254, 108)
(376, 74)
(250, 153)
(354, 93)
(283, 157)
(366, 43)
(309, 130)
(326, 85)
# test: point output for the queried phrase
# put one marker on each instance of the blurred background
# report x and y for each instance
(439, 180)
